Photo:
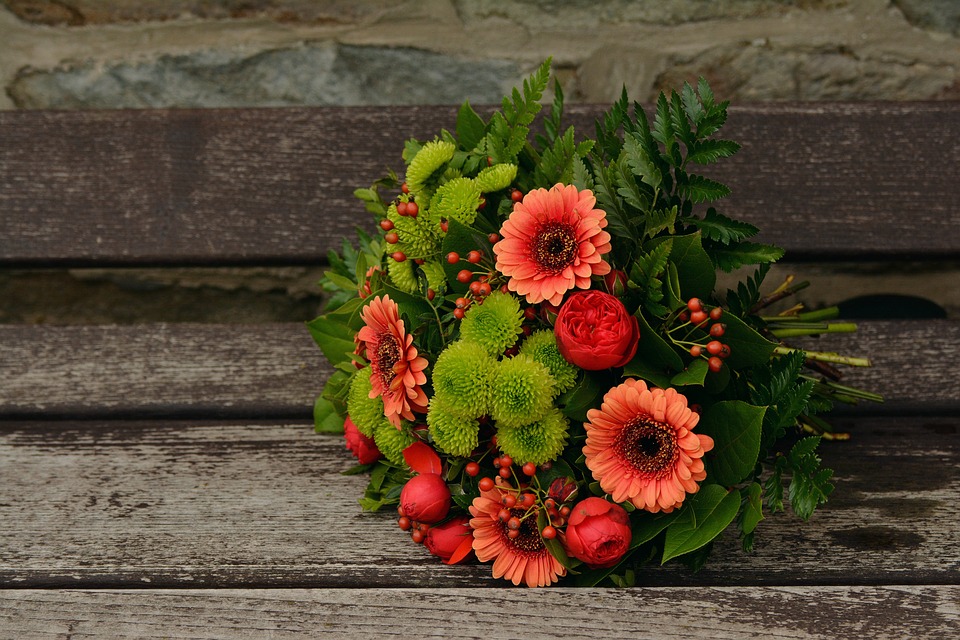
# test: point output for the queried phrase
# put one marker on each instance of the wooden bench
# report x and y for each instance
(165, 480)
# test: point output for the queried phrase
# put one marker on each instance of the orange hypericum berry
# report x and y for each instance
(513, 523)
(696, 350)
(713, 347)
(431, 294)
(715, 364)
(458, 314)
(405, 188)
(516, 195)
(461, 303)
(716, 313)
(503, 515)
(548, 533)
(464, 276)
(505, 472)
(398, 256)
(695, 304)
(527, 500)
(505, 461)
(475, 287)
(386, 225)
(698, 317)
(392, 238)
(453, 257)
(444, 226)
(472, 469)
(494, 238)
(417, 536)
(485, 484)
(484, 289)
(402, 208)
(474, 256)
(412, 209)
(509, 500)
(718, 329)
(529, 469)
(513, 533)
(404, 523)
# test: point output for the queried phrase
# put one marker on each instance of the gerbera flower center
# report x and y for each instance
(555, 246)
(649, 446)
(388, 354)
(529, 540)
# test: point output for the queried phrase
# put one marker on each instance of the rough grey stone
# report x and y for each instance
(764, 72)
(578, 14)
(313, 74)
(942, 15)
(84, 12)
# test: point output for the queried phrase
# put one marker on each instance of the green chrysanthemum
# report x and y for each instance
(495, 324)
(392, 441)
(429, 160)
(451, 433)
(497, 177)
(436, 277)
(457, 199)
(402, 275)
(366, 412)
(542, 347)
(522, 391)
(462, 377)
(536, 442)
(417, 237)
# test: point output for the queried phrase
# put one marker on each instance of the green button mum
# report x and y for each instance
(462, 377)
(452, 434)
(392, 441)
(366, 412)
(536, 442)
(495, 324)
(542, 347)
(522, 392)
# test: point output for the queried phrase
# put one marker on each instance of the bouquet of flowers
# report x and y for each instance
(532, 362)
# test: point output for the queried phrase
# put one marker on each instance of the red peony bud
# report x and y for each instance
(615, 282)
(443, 540)
(594, 331)
(562, 489)
(425, 498)
(598, 532)
(364, 449)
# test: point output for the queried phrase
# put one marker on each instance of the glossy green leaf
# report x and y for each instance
(647, 526)
(694, 374)
(655, 357)
(747, 347)
(694, 267)
(735, 427)
(752, 508)
(585, 395)
(470, 127)
(712, 508)
(325, 417)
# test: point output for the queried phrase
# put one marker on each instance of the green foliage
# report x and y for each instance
(702, 518)
(809, 484)
(741, 301)
(735, 427)
(645, 276)
(509, 128)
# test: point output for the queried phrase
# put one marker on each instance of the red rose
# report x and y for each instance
(594, 331)
(364, 449)
(425, 498)
(444, 539)
(598, 532)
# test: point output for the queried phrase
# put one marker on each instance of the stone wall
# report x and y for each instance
(214, 53)
(67, 54)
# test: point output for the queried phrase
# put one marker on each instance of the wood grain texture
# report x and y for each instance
(243, 186)
(188, 504)
(800, 613)
(275, 370)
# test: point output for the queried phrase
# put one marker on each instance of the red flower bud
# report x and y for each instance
(594, 331)
(425, 498)
(364, 449)
(598, 532)
(444, 539)
(616, 282)
(562, 489)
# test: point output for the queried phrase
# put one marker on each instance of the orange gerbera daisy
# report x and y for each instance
(521, 559)
(641, 447)
(553, 242)
(396, 370)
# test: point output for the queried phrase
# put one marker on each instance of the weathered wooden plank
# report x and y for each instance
(254, 505)
(880, 613)
(194, 370)
(245, 186)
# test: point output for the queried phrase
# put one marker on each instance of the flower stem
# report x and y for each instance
(813, 329)
(824, 356)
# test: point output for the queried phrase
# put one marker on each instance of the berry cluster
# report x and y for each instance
(479, 281)
(698, 317)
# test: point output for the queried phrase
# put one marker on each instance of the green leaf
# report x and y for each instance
(333, 337)
(470, 127)
(647, 526)
(809, 485)
(737, 255)
(735, 427)
(691, 105)
(654, 354)
(698, 188)
(325, 417)
(719, 228)
(662, 130)
(773, 487)
(712, 509)
(697, 275)
(585, 395)
(747, 347)
(707, 151)
(461, 239)
(694, 374)
(752, 512)
(640, 162)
